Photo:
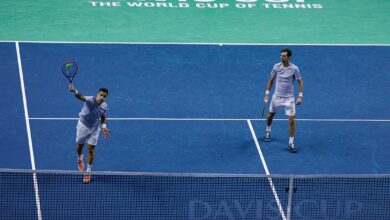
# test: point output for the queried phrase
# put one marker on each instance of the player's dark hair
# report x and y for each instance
(103, 90)
(289, 53)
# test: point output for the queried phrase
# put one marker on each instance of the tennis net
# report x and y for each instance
(110, 195)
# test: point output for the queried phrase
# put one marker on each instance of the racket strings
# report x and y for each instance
(69, 69)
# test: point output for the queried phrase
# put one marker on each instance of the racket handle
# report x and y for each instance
(71, 84)
(73, 89)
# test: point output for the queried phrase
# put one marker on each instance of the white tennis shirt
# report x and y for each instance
(91, 112)
(285, 77)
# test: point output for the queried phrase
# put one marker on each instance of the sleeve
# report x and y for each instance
(89, 100)
(273, 72)
(105, 110)
(297, 74)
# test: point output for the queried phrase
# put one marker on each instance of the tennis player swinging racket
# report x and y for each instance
(94, 109)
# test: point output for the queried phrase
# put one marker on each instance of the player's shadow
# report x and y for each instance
(276, 144)
(262, 140)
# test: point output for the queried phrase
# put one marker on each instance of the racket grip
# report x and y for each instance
(71, 85)
(73, 89)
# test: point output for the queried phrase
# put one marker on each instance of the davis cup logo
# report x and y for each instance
(211, 4)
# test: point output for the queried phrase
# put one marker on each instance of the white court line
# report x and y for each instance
(224, 119)
(267, 171)
(30, 144)
(195, 43)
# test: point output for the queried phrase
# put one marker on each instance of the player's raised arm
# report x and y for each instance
(78, 95)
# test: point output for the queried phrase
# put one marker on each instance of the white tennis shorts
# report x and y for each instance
(87, 135)
(288, 103)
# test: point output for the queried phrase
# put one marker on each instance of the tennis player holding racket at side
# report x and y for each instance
(95, 108)
(285, 74)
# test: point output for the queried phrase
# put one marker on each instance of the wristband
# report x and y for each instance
(104, 125)
(300, 94)
(267, 92)
(76, 92)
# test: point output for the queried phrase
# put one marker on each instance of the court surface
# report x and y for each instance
(177, 108)
(186, 108)
(186, 81)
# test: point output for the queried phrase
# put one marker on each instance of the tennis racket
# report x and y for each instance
(262, 112)
(69, 69)
(264, 106)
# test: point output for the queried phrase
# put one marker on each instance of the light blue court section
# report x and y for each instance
(153, 146)
(13, 136)
(206, 81)
(210, 81)
(146, 80)
(344, 81)
(328, 148)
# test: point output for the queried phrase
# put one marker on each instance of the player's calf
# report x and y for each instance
(80, 163)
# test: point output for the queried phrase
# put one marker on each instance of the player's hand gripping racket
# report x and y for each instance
(106, 133)
(264, 105)
(69, 69)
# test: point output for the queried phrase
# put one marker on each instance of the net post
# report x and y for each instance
(290, 194)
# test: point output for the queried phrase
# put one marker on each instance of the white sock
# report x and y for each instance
(291, 140)
(79, 156)
(89, 168)
(268, 128)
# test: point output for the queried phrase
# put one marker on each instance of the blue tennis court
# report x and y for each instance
(189, 108)
(186, 81)
(184, 108)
